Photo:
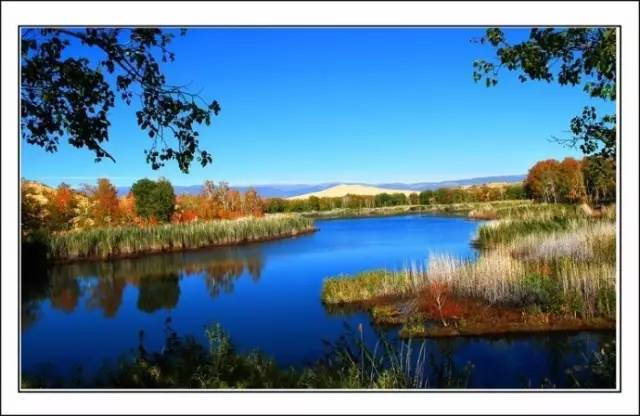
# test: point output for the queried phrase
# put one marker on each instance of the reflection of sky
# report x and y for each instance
(265, 295)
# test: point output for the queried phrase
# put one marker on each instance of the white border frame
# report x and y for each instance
(322, 13)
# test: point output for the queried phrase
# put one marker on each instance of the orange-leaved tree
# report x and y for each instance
(105, 208)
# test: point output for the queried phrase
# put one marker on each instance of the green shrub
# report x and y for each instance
(543, 291)
(154, 199)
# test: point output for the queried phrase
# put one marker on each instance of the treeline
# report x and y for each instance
(592, 180)
(148, 202)
(481, 193)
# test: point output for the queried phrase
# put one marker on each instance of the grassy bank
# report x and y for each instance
(478, 210)
(542, 268)
(114, 242)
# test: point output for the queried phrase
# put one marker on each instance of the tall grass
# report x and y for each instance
(588, 242)
(104, 243)
(553, 258)
(534, 219)
(365, 286)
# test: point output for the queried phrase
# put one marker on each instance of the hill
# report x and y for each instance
(352, 189)
(291, 190)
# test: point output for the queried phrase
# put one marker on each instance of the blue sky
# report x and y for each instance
(339, 105)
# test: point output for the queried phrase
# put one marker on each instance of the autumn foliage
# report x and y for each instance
(439, 302)
(106, 205)
(572, 181)
(65, 208)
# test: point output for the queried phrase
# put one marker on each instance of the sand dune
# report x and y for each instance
(345, 189)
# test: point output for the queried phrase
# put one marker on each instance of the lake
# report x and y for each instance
(267, 296)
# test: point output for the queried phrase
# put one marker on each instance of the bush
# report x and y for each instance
(542, 291)
(154, 200)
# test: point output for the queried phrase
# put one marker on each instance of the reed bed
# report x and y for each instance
(590, 242)
(365, 286)
(105, 243)
(554, 258)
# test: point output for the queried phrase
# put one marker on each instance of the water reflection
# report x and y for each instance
(101, 285)
(86, 313)
(106, 295)
(158, 292)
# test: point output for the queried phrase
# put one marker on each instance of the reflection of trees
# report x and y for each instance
(34, 290)
(30, 313)
(107, 295)
(65, 294)
(254, 266)
(220, 276)
(156, 276)
(157, 292)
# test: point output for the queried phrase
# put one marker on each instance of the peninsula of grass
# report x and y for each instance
(545, 268)
(130, 241)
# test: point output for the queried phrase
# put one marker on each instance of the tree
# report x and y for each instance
(426, 197)
(105, 208)
(571, 181)
(553, 181)
(127, 208)
(542, 181)
(70, 97)
(583, 56)
(62, 207)
(516, 191)
(599, 179)
(274, 205)
(253, 204)
(34, 213)
(383, 200)
(314, 203)
(154, 200)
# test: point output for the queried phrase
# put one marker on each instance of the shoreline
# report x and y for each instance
(514, 329)
(144, 253)
(458, 209)
(385, 312)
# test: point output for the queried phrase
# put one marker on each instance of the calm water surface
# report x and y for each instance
(267, 296)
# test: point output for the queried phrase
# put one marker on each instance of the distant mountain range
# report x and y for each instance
(285, 191)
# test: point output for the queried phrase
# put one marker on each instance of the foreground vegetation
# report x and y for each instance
(112, 242)
(350, 364)
(542, 267)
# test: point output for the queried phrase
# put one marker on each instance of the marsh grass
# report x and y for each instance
(365, 286)
(552, 258)
(593, 242)
(105, 243)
